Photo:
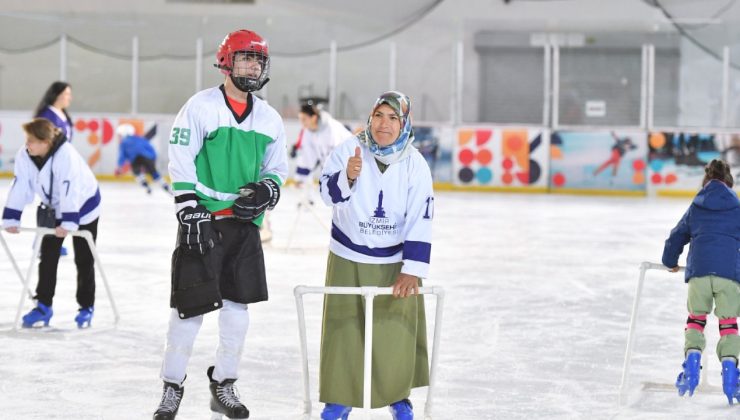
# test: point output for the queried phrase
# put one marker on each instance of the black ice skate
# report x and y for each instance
(225, 399)
(171, 397)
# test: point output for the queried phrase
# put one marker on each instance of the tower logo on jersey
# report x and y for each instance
(379, 211)
(379, 224)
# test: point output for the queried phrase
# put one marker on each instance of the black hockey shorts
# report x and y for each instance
(233, 270)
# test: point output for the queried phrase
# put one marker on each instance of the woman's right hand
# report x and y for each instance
(12, 229)
(674, 269)
(354, 165)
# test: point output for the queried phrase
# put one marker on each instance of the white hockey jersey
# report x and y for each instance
(75, 196)
(316, 146)
(214, 152)
(385, 217)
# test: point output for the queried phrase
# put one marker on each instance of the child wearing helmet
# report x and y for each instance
(228, 160)
(138, 153)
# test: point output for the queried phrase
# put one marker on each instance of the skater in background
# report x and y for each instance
(227, 161)
(731, 154)
(712, 226)
(620, 147)
(53, 106)
(50, 168)
(320, 134)
(138, 153)
(380, 188)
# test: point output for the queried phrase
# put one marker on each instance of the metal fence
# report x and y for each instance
(552, 80)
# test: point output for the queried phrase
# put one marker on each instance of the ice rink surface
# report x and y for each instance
(539, 292)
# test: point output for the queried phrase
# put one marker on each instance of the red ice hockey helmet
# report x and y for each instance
(248, 42)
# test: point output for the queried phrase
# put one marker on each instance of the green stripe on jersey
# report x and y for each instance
(180, 186)
(230, 158)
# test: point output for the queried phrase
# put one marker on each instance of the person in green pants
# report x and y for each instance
(712, 226)
(380, 188)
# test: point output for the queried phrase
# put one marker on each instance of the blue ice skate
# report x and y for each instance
(84, 317)
(689, 378)
(41, 313)
(730, 375)
(402, 410)
(335, 412)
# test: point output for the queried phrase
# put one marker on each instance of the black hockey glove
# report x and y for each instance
(195, 232)
(255, 198)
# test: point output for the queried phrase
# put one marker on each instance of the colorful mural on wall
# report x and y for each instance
(489, 156)
(94, 138)
(676, 160)
(501, 157)
(600, 160)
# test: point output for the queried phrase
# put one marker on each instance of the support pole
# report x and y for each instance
(135, 75)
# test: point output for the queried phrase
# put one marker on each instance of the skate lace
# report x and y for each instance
(170, 400)
(229, 395)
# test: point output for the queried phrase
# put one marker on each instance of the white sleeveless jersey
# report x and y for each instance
(384, 217)
(75, 196)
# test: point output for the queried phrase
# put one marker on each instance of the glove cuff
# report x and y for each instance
(274, 192)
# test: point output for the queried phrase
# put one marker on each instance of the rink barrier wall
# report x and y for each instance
(618, 161)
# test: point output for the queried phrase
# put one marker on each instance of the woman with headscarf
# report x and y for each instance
(380, 188)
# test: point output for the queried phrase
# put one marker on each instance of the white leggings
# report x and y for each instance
(233, 322)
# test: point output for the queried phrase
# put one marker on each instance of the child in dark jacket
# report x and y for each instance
(712, 225)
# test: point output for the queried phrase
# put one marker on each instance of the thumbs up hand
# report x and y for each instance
(354, 165)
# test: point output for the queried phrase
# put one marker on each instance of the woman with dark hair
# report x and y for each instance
(53, 107)
(712, 226)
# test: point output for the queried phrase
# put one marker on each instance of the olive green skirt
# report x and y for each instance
(399, 358)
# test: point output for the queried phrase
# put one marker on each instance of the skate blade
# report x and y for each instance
(38, 325)
(665, 387)
(56, 332)
(219, 416)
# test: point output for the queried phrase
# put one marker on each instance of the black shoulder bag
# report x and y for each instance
(45, 214)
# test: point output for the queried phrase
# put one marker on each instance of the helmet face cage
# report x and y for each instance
(245, 80)
(252, 47)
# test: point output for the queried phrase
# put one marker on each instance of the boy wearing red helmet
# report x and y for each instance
(227, 161)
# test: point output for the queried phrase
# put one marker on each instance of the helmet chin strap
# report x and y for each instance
(244, 85)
